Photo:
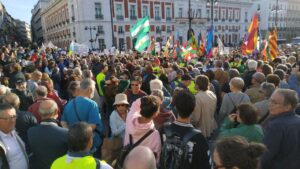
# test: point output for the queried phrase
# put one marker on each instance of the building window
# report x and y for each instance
(145, 11)
(246, 15)
(180, 12)
(156, 10)
(101, 44)
(100, 29)
(98, 11)
(207, 14)
(168, 13)
(119, 11)
(120, 30)
(132, 12)
(199, 13)
(216, 14)
(230, 15)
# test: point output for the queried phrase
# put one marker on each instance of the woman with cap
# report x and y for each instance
(118, 116)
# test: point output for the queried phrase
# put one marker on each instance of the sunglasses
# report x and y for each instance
(121, 105)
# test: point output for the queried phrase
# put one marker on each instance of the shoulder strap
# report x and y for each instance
(186, 137)
(75, 108)
(190, 134)
(231, 100)
(263, 118)
(143, 138)
(98, 165)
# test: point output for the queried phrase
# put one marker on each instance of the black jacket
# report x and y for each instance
(25, 99)
(282, 138)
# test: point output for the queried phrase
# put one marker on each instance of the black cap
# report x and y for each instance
(20, 81)
(186, 77)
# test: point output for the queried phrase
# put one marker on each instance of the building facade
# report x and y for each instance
(36, 23)
(8, 30)
(24, 32)
(95, 24)
(230, 19)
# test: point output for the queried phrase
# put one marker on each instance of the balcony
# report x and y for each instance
(215, 19)
(120, 17)
(208, 19)
(223, 19)
(230, 20)
(73, 18)
(246, 20)
(168, 30)
(99, 16)
(133, 17)
(168, 18)
(158, 31)
(237, 20)
(121, 32)
(157, 18)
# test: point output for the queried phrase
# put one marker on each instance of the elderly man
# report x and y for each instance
(80, 141)
(282, 133)
(12, 149)
(252, 65)
(254, 91)
(83, 108)
(21, 91)
(144, 156)
(48, 141)
(135, 92)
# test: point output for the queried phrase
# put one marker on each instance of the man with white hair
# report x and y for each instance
(83, 108)
(140, 157)
(252, 65)
(47, 140)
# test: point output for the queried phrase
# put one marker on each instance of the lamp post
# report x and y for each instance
(276, 13)
(91, 36)
(112, 22)
(191, 15)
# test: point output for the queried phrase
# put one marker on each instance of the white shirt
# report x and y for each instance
(15, 156)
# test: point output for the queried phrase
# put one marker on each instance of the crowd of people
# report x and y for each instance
(139, 111)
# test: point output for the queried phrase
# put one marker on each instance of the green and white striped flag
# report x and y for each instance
(142, 42)
(142, 26)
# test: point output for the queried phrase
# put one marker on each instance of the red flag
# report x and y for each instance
(250, 43)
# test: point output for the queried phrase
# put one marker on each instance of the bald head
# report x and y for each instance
(48, 109)
(143, 155)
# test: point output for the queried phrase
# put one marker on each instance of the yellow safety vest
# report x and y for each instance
(87, 162)
(99, 78)
(192, 88)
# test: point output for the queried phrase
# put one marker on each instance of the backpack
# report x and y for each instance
(126, 149)
(176, 153)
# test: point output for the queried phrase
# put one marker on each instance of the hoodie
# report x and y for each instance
(138, 130)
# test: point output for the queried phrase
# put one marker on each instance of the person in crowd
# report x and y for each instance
(176, 82)
(47, 140)
(117, 118)
(273, 78)
(16, 74)
(282, 132)
(24, 120)
(267, 69)
(74, 89)
(22, 92)
(253, 91)
(135, 91)
(13, 153)
(80, 141)
(165, 114)
(4, 90)
(147, 77)
(39, 95)
(34, 81)
(282, 75)
(226, 87)
(220, 75)
(188, 83)
(233, 99)
(248, 75)
(74, 112)
(198, 149)
(139, 121)
(237, 153)
(246, 118)
(206, 101)
(158, 84)
(144, 156)
(267, 89)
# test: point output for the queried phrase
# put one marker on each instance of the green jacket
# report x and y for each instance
(253, 133)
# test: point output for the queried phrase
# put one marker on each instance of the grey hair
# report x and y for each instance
(12, 99)
(158, 93)
(87, 83)
(48, 110)
(40, 91)
(290, 97)
(77, 71)
(87, 74)
(267, 88)
(156, 84)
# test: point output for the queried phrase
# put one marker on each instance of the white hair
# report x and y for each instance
(156, 84)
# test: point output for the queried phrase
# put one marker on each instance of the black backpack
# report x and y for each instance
(176, 153)
(126, 149)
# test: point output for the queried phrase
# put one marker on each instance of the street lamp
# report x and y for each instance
(191, 15)
(91, 36)
(212, 3)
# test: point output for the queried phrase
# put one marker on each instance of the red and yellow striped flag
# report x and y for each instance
(250, 43)
(273, 44)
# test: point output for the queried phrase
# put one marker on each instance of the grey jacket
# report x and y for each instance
(3, 152)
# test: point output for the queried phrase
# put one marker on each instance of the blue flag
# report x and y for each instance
(199, 39)
(209, 39)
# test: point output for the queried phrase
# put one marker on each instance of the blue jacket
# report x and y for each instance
(282, 138)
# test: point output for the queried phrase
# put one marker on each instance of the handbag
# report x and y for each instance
(111, 148)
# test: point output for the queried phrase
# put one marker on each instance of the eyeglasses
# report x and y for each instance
(271, 101)
(121, 105)
(9, 118)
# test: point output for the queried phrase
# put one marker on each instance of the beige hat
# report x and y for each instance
(121, 99)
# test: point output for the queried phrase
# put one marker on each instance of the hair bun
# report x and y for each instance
(255, 150)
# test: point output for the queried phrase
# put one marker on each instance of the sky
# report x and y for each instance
(20, 9)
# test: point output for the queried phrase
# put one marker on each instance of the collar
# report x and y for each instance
(11, 134)
(78, 154)
(284, 114)
(183, 124)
